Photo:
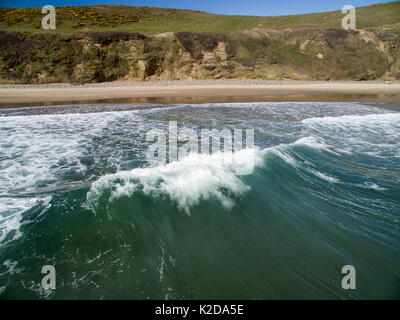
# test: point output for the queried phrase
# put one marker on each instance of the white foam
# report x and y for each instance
(196, 177)
(283, 150)
(323, 176)
(37, 152)
(356, 120)
(11, 267)
(12, 221)
(313, 142)
(283, 155)
(187, 181)
(376, 135)
(12, 209)
(373, 186)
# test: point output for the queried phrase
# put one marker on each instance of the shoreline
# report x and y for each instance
(197, 91)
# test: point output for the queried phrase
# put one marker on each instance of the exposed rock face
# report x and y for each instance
(302, 54)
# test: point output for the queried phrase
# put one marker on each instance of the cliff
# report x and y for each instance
(301, 54)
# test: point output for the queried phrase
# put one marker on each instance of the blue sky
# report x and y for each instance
(246, 7)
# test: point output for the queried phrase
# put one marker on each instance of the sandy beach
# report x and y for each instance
(175, 91)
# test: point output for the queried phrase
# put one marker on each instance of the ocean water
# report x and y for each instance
(77, 192)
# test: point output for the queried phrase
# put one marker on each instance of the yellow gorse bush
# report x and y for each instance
(81, 16)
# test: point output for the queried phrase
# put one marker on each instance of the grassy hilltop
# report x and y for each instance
(158, 20)
(108, 43)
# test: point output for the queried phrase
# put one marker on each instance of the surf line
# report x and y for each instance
(165, 310)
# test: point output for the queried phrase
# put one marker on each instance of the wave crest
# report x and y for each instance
(188, 181)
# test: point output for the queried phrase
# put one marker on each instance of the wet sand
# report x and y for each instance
(197, 91)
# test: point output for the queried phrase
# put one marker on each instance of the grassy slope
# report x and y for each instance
(157, 20)
(305, 51)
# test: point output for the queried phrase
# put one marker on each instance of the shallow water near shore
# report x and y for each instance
(77, 192)
(140, 102)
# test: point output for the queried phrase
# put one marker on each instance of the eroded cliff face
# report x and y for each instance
(300, 54)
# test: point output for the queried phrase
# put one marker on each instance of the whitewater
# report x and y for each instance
(77, 192)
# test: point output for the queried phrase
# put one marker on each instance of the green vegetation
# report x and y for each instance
(303, 54)
(108, 43)
(158, 20)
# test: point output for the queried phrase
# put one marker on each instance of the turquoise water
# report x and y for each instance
(77, 192)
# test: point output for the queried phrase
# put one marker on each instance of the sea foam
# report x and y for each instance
(194, 178)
